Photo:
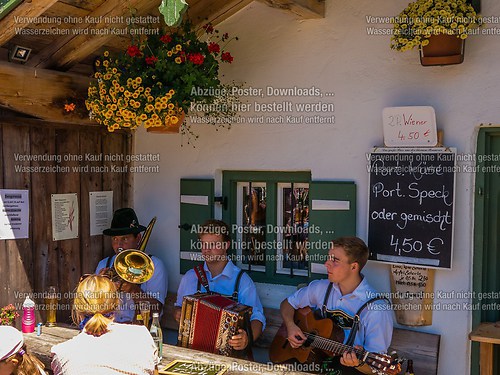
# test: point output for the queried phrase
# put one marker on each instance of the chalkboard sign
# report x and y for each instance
(411, 201)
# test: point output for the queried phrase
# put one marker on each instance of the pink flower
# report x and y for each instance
(166, 38)
(209, 29)
(196, 58)
(134, 51)
(213, 48)
(226, 57)
(151, 60)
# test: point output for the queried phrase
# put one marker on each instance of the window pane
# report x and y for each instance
(295, 213)
(253, 226)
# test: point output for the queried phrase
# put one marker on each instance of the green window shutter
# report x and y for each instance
(332, 214)
(197, 205)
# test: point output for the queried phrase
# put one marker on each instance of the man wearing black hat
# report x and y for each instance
(125, 234)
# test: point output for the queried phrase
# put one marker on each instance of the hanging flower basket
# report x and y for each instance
(171, 126)
(154, 82)
(438, 28)
(442, 50)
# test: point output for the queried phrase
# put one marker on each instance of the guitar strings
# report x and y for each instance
(326, 343)
(333, 346)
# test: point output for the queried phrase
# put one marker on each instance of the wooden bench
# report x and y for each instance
(422, 348)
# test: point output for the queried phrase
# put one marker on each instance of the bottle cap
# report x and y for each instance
(156, 315)
(28, 302)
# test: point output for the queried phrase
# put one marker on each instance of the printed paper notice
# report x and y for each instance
(64, 216)
(101, 211)
(14, 214)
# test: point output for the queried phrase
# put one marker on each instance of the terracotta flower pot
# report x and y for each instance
(168, 129)
(443, 49)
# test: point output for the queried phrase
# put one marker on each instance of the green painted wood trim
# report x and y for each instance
(194, 214)
(8, 6)
(481, 211)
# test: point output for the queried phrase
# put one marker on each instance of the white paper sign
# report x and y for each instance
(14, 214)
(101, 211)
(65, 221)
(409, 126)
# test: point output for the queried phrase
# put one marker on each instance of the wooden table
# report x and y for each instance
(487, 334)
(41, 345)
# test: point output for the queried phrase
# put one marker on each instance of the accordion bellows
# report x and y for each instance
(208, 321)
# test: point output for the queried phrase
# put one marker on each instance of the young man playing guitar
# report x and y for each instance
(341, 298)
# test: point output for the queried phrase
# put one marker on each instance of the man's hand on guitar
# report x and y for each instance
(239, 341)
(295, 336)
(349, 358)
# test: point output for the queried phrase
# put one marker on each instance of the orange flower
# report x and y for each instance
(69, 107)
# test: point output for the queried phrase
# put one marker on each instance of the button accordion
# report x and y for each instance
(208, 321)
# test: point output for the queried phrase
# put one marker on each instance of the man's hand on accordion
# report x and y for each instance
(239, 341)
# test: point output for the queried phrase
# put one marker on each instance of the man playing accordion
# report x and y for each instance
(223, 277)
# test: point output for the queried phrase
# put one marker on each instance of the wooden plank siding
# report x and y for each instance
(31, 265)
(91, 247)
(68, 251)
(45, 258)
(19, 263)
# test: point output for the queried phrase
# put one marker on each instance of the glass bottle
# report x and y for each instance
(409, 368)
(51, 306)
(157, 334)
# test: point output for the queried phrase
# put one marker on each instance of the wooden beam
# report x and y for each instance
(214, 11)
(11, 23)
(33, 91)
(96, 29)
(302, 8)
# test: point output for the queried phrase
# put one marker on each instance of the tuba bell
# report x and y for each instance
(134, 265)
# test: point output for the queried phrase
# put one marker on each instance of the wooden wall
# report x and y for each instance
(31, 265)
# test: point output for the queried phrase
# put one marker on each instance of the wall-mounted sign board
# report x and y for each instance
(411, 206)
(409, 126)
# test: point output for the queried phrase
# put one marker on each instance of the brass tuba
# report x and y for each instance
(134, 265)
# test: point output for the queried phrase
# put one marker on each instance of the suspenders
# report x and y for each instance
(202, 280)
(355, 327)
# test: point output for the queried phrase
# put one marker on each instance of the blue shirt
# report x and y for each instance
(224, 284)
(156, 287)
(376, 322)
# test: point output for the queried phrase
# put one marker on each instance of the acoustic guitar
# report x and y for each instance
(324, 338)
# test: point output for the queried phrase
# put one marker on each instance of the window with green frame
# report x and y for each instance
(281, 222)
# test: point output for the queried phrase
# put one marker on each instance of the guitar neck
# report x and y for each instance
(334, 347)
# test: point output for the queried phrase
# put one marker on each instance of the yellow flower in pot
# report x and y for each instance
(430, 24)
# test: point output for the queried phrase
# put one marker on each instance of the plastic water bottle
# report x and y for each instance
(28, 321)
(157, 334)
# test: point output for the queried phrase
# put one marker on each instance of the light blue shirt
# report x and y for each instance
(156, 287)
(376, 321)
(224, 284)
